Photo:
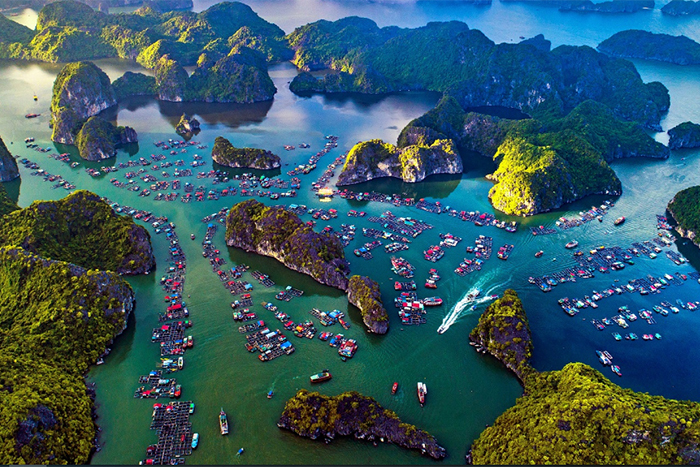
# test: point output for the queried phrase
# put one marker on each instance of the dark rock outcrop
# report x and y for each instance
(80, 229)
(313, 415)
(224, 153)
(685, 135)
(539, 42)
(187, 126)
(81, 90)
(99, 139)
(681, 8)
(634, 43)
(374, 159)
(276, 232)
(684, 208)
(8, 164)
(364, 293)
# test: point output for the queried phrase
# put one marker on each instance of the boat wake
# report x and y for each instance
(468, 302)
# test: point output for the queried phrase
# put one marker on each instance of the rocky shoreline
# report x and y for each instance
(364, 293)
(224, 153)
(316, 416)
(8, 165)
(684, 135)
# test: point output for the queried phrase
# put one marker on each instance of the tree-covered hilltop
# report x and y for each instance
(99, 139)
(685, 209)
(364, 293)
(276, 232)
(681, 8)
(373, 159)
(449, 57)
(575, 415)
(70, 30)
(80, 229)
(224, 153)
(314, 415)
(55, 320)
(635, 43)
(543, 162)
(8, 164)
(503, 331)
(684, 135)
(7, 205)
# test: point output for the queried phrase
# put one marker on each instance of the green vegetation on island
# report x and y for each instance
(57, 319)
(575, 415)
(364, 293)
(8, 164)
(276, 232)
(187, 127)
(373, 159)
(80, 229)
(635, 43)
(685, 209)
(7, 205)
(134, 84)
(681, 8)
(224, 153)
(314, 415)
(684, 135)
(99, 139)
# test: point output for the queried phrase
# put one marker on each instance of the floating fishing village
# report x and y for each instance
(405, 226)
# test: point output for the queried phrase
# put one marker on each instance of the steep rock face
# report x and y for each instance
(275, 232)
(187, 126)
(98, 139)
(364, 293)
(239, 77)
(224, 153)
(504, 332)
(685, 135)
(681, 8)
(80, 91)
(374, 159)
(171, 80)
(685, 210)
(650, 46)
(80, 229)
(7, 205)
(8, 164)
(313, 415)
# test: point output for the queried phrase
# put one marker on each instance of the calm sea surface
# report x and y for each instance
(466, 390)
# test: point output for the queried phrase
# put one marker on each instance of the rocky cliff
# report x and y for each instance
(187, 126)
(8, 164)
(275, 232)
(7, 205)
(171, 80)
(650, 46)
(316, 416)
(80, 91)
(224, 153)
(374, 159)
(685, 135)
(685, 210)
(99, 139)
(504, 332)
(364, 293)
(80, 229)
(681, 8)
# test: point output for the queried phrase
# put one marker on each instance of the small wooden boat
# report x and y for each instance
(223, 422)
(270, 394)
(195, 440)
(320, 377)
(395, 388)
(539, 254)
(619, 220)
(422, 391)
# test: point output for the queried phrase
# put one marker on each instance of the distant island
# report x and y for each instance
(60, 313)
(684, 135)
(373, 159)
(364, 293)
(681, 8)
(224, 153)
(276, 232)
(8, 165)
(316, 416)
(575, 415)
(679, 50)
(685, 210)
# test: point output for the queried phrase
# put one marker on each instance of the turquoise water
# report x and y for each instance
(466, 390)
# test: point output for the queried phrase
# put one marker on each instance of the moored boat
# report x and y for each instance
(539, 253)
(432, 301)
(223, 422)
(616, 370)
(395, 388)
(270, 394)
(320, 377)
(619, 220)
(180, 363)
(195, 440)
(422, 391)
(571, 244)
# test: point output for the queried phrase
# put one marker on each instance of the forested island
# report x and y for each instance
(364, 293)
(651, 46)
(276, 232)
(684, 135)
(685, 210)
(575, 415)
(316, 416)
(8, 165)
(224, 153)
(59, 313)
(681, 8)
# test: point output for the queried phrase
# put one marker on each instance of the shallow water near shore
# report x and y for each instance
(466, 390)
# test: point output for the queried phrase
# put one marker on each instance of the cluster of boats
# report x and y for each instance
(606, 359)
(402, 267)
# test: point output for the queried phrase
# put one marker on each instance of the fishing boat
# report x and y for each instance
(223, 422)
(36, 98)
(270, 394)
(616, 370)
(432, 301)
(32, 115)
(422, 391)
(571, 244)
(539, 254)
(240, 451)
(180, 363)
(191, 408)
(348, 348)
(617, 336)
(192, 236)
(394, 388)
(320, 377)
(195, 440)
(619, 220)
(471, 296)
(658, 336)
